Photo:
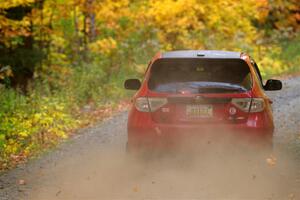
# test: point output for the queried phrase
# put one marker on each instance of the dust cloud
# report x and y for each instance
(213, 170)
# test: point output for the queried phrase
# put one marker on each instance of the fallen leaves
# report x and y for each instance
(271, 161)
(90, 115)
(21, 182)
(135, 189)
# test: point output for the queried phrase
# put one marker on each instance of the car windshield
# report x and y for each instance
(194, 75)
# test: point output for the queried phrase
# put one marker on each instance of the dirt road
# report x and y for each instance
(93, 165)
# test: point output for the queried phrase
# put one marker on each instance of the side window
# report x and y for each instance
(257, 71)
(247, 81)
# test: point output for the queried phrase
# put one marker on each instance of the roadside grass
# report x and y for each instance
(34, 122)
(281, 59)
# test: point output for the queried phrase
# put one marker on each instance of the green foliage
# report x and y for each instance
(30, 123)
(86, 84)
(279, 58)
(290, 53)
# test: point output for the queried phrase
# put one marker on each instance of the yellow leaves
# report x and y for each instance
(4, 4)
(190, 24)
(109, 11)
(5, 72)
(45, 122)
(175, 20)
(57, 41)
(231, 19)
(51, 115)
(23, 134)
(104, 46)
(266, 60)
(11, 147)
(37, 117)
(262, 10)
(28, 149)
(58, 132)
(11, 29)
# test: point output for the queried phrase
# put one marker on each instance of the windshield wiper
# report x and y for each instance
(217, 85)
(201, 87)
(218, 90)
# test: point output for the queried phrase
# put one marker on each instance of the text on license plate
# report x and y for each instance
(195, 111)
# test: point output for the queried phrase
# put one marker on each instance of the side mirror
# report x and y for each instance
(273, 84)
(132, 84)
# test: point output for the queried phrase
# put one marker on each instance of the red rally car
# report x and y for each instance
(199, 92)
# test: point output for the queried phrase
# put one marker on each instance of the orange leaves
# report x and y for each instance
(285, 14)
(262, 10)
(109, 12)
(4, 4)
(271, 161)
(9, 28)
(209, 24)
(175, 20)
(135, 189)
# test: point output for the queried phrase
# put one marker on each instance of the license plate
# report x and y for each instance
(199, 111)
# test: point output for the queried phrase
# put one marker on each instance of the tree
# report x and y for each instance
(17, 41)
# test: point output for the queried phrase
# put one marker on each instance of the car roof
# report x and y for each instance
(202, 54)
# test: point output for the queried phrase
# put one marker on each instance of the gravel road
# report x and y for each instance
(93, 165)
